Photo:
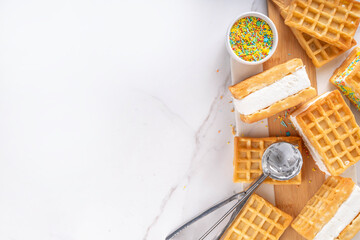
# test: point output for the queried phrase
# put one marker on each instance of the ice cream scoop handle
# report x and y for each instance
(203, 214)
(247, 194)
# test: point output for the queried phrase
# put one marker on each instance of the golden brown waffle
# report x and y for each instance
(322, 206)
(319, 52)
(351, 230)
(331, 130)
(347, 77)
(247, 158)
(334, 22)
(258, 220)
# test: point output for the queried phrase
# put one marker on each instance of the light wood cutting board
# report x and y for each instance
(292, 199)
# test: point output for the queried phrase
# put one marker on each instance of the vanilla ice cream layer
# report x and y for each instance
(279, 90)
(343, 217)
(314, 153)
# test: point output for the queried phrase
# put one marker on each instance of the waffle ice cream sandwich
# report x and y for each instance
(330, 132)
(272, 91)
(247, 158)
(258, 220)
(334, 22)
(332, 213)
(347, 77)
(319, 52)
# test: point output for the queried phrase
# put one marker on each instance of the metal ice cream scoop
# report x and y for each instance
(280, 161)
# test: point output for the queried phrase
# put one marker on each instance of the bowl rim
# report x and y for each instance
(275, 37)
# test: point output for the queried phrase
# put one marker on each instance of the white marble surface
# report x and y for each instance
(110, 112)
(110, 116)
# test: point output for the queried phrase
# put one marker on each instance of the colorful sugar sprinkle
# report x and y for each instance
(283, 119)
(283, 123)
(251, 38)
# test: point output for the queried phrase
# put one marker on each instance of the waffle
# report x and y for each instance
(319, 52)
(258, 220)
(351, 230)
(328, 127)
(322, 206)
(347, 77)
(334, 22)
(247, 158)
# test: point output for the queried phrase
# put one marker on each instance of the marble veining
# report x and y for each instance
(199, 136)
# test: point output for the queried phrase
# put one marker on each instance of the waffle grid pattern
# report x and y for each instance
(319, 52)
(331, 127)
(332, 21)
(248, 154)
(322, 206)
(259, 220)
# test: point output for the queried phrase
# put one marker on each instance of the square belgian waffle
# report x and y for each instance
(258, 220)
(319, 52)
(323, 206)
(332, 21)
(331, 128)
(247, 158)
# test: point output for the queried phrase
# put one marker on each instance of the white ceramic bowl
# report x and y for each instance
(275, 38)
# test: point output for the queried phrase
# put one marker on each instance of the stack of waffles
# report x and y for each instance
(325, 29)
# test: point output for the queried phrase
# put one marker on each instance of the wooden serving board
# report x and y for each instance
(292, 199)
